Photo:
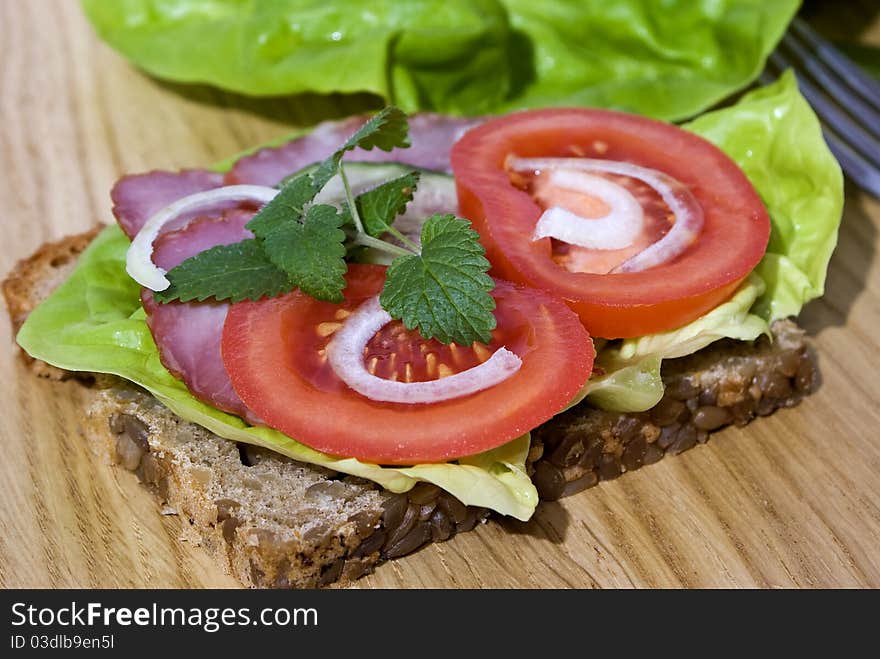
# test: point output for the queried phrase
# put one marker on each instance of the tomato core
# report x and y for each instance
(658, 219)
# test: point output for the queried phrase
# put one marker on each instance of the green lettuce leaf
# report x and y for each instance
(443, 54)
(668, 59)
(94, 322)
(776, 139)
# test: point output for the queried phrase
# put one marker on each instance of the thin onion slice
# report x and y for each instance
(684, 206)
(139, 258)
(616, 230)
(345, 353)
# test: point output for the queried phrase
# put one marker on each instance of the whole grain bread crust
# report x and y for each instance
(34, 277)
(273, 522)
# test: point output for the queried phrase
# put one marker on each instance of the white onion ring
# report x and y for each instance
(345, 353)
(616, 230)
(687, 210)
(139, 258)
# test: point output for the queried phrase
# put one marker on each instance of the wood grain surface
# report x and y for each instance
(789, 501)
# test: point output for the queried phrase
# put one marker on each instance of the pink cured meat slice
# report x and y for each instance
(188, 334)
(431, 136)
(138, 197)
(172, 248)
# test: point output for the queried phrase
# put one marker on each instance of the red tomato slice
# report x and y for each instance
(274, 351)
(733, 239)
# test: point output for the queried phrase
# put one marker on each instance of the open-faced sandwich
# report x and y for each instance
(329, 353)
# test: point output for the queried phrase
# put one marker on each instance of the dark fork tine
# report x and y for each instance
(855, 134)
(863, 173)
(857, 168)
(844, 97)
(842, 65)
(834, 86)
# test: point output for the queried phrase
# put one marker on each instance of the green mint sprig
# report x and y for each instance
(311, 252)
(440, 288)
(378, 208)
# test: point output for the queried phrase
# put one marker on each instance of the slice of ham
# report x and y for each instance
(188, 334)
(173, 247)
(431, 137)
(137, 198)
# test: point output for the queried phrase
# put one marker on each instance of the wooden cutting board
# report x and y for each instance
(792, 500)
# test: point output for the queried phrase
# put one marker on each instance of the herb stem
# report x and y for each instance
(349, 197)
(365, 239)
(406, 241)
(368, 241)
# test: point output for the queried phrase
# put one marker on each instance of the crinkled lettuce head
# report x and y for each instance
(94, 322)
(668, 60)
(664, 59)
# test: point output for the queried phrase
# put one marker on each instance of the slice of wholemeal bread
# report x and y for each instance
(273, 522)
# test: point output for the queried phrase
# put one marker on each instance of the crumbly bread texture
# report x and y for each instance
(274, 522)
(271, 521)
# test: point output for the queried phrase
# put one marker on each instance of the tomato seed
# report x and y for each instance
(481, 351)
(326, 329)
(431, 364)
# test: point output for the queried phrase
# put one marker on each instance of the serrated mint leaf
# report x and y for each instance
(379, 207)
(326, 170)
(287, 205)
(444, 291)
(311, 252)
(241, 271)
(386, 129)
